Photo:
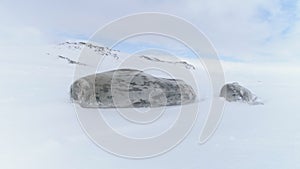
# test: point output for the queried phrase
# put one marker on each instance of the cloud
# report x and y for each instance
(251, 30)
(20, 36)
(247, 29)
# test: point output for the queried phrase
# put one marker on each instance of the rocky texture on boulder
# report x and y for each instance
(129, 88)
(233, 92)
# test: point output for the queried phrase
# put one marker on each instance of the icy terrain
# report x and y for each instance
(39, 127)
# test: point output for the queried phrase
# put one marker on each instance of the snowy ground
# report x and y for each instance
(39, 127)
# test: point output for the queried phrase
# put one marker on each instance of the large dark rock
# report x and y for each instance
(233, 92)
(129, 88)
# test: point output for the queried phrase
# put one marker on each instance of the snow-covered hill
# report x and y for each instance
(39, 127)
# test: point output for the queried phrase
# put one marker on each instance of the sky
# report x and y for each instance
(250, 30)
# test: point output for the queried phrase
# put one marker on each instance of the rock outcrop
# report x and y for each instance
(129, 88)
(233, 92)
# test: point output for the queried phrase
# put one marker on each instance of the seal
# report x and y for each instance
(126, 88)
(233, 92)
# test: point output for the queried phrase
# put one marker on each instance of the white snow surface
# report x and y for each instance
(40, 130)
